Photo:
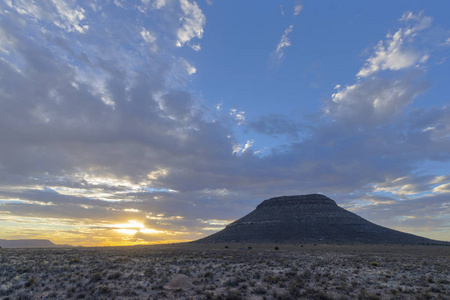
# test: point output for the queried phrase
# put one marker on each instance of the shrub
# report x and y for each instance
(115, 275)
(95, 277)
(259, 290)
(293, 290)
(75, 260)
(231, 295)
(232, 283)
(30, 282)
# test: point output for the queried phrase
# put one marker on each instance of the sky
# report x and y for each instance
(161, 121)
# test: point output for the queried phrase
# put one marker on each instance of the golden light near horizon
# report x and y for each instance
(133, 227)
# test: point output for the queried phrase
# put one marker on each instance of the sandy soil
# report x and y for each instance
(233, 271)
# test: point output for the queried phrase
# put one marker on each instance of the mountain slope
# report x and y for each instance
(31, 243)
(310, 218)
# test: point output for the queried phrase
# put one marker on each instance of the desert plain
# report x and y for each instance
(227, 271)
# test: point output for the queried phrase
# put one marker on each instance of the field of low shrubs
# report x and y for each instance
(234, 271)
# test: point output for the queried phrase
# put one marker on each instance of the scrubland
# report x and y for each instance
(228, 271)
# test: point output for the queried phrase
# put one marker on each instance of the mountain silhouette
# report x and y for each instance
(310, 218)
(29, 243)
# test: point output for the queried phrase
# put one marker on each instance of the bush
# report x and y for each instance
(30, 282)
(115, 275)
(259, 290)
(232, 282)
(95, 277)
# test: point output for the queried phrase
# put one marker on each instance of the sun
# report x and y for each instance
(133, 227)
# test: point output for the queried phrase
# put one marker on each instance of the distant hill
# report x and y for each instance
(31, 243)
(310, 218)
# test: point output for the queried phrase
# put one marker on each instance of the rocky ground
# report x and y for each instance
(234, 271)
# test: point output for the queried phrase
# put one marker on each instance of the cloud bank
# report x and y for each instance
(102, 143)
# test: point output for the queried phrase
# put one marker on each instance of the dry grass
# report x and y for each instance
(234, 271)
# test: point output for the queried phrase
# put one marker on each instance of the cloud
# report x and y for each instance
(397, 52)
(413, 184)
(153, 4)
(102, 93)
(64, 14)
(376, 100)
(190, 69)
(193, 22)
(237, 115)
(420, 215)
(284, 42)
(98, 128)
(248, 145)
(443, 188)
(282, 10)
(196, 47)
(150, 39)
(377, 97)
(298, 9)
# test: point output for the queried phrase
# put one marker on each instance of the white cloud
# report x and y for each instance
(373, 101)
(119, 3)
(282, 10)
(193, 22)
(298, 9)
(150, 39)
(190, 69)
(443, 188)
(421, 21)
(239, 149)
(24, 7)
(153, 4)
(70, 18)
(248, 145)
(238, 116)
(395, 53)
(64, 14)
(390, 58)
(158, 4)
(284, 42)
(196, 47)
(412, 185)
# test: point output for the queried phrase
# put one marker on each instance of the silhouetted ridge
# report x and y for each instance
(301, 200)
(310, 218)
(28, 243)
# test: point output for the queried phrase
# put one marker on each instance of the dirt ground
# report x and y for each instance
(227, 271)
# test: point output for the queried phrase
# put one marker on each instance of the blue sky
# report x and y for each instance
(149, 121)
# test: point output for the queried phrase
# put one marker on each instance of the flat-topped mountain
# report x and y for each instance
(29, 243)
(310, 218)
